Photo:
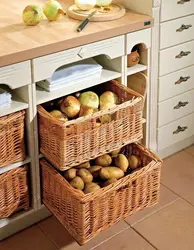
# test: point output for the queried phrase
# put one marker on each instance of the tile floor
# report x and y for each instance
(167, 226)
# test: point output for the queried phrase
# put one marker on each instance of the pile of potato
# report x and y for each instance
(101, 172)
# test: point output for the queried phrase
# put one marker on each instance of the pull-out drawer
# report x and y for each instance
(176, 58)
(45, 66)
(176, 83)
(16, 75)
(175, 132)
(175, 108)
(177, 31)
(171, 9)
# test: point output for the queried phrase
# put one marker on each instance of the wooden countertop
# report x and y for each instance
(19, 42)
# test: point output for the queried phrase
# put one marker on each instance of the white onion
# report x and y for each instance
(103, 3)
(85, 4)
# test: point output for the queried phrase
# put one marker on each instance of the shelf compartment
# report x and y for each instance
(44, 96)
(136, 69)
(17, 105)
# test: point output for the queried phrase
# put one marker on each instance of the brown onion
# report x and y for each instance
(70, 106)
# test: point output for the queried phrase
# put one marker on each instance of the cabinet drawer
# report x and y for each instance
(176, 83)
(171, 9)
(139, 37)
(45, 66)
(176, 58)
(175, 108)
(16, 75)
(176, 31)
(175, 132)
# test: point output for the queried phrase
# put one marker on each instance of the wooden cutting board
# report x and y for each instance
(112, 12)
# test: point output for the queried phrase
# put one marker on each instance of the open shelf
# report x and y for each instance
(135, 69)
(14, 165)
(44, 96)
(16, 105)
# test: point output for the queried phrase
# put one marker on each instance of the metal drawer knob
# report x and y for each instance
(180, 129)
(184, 27)
(183, 1)
(183, 53)
(182, 79)
(180, 105)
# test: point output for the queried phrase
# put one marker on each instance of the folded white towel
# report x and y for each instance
(5, 98)
(75, 70)
(52, 87)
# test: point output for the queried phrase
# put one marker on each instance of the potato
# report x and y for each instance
(85, 175)
(106, 183)
(91, 187)
(94, 170)
(121, 162)
(115, 152)
(134, 161)
(77, 183)
(107, 173)
(70, 174)
(84, 165)
(104, 160)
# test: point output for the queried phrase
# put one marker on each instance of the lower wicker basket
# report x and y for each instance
(85, 216)
(14, 195)
(12, 138)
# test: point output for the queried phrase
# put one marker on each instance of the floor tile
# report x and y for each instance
(178, 175)
(166, 197)
(58, 234)
(126, 240)
(171, 228)
(190, 150)
(29, 239)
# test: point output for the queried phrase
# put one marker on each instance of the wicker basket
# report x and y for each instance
(85, 216)
(14, 194)
(12, 138)
(66, 144)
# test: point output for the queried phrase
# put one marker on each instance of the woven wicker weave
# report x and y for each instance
(66, 144)
(14, 194)
(85, 216)
(12, 138)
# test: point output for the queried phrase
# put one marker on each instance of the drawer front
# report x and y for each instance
(16, 75)
(175, 132)
(176, 58)
(139, 37)
(176, 83)
(45, 66)
(171, 9)
(176, 31)
(175, 108)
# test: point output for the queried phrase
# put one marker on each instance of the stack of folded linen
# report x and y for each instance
(71, 74)
(5, 98)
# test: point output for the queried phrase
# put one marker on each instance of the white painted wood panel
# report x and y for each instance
(169, 135)
(176, 31)
(16, 75)
(175, 108)
(44, 67)
(171, 9)
(138, 37)
(176, 58)
(176, 83)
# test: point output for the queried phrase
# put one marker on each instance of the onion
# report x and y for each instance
(108, 99)
(85, 110)
(85, 4)
(106, 118)
(89, 99)
(59, 115)
(103, 3)
(70, 106)
(32, 15)
(53, 10)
